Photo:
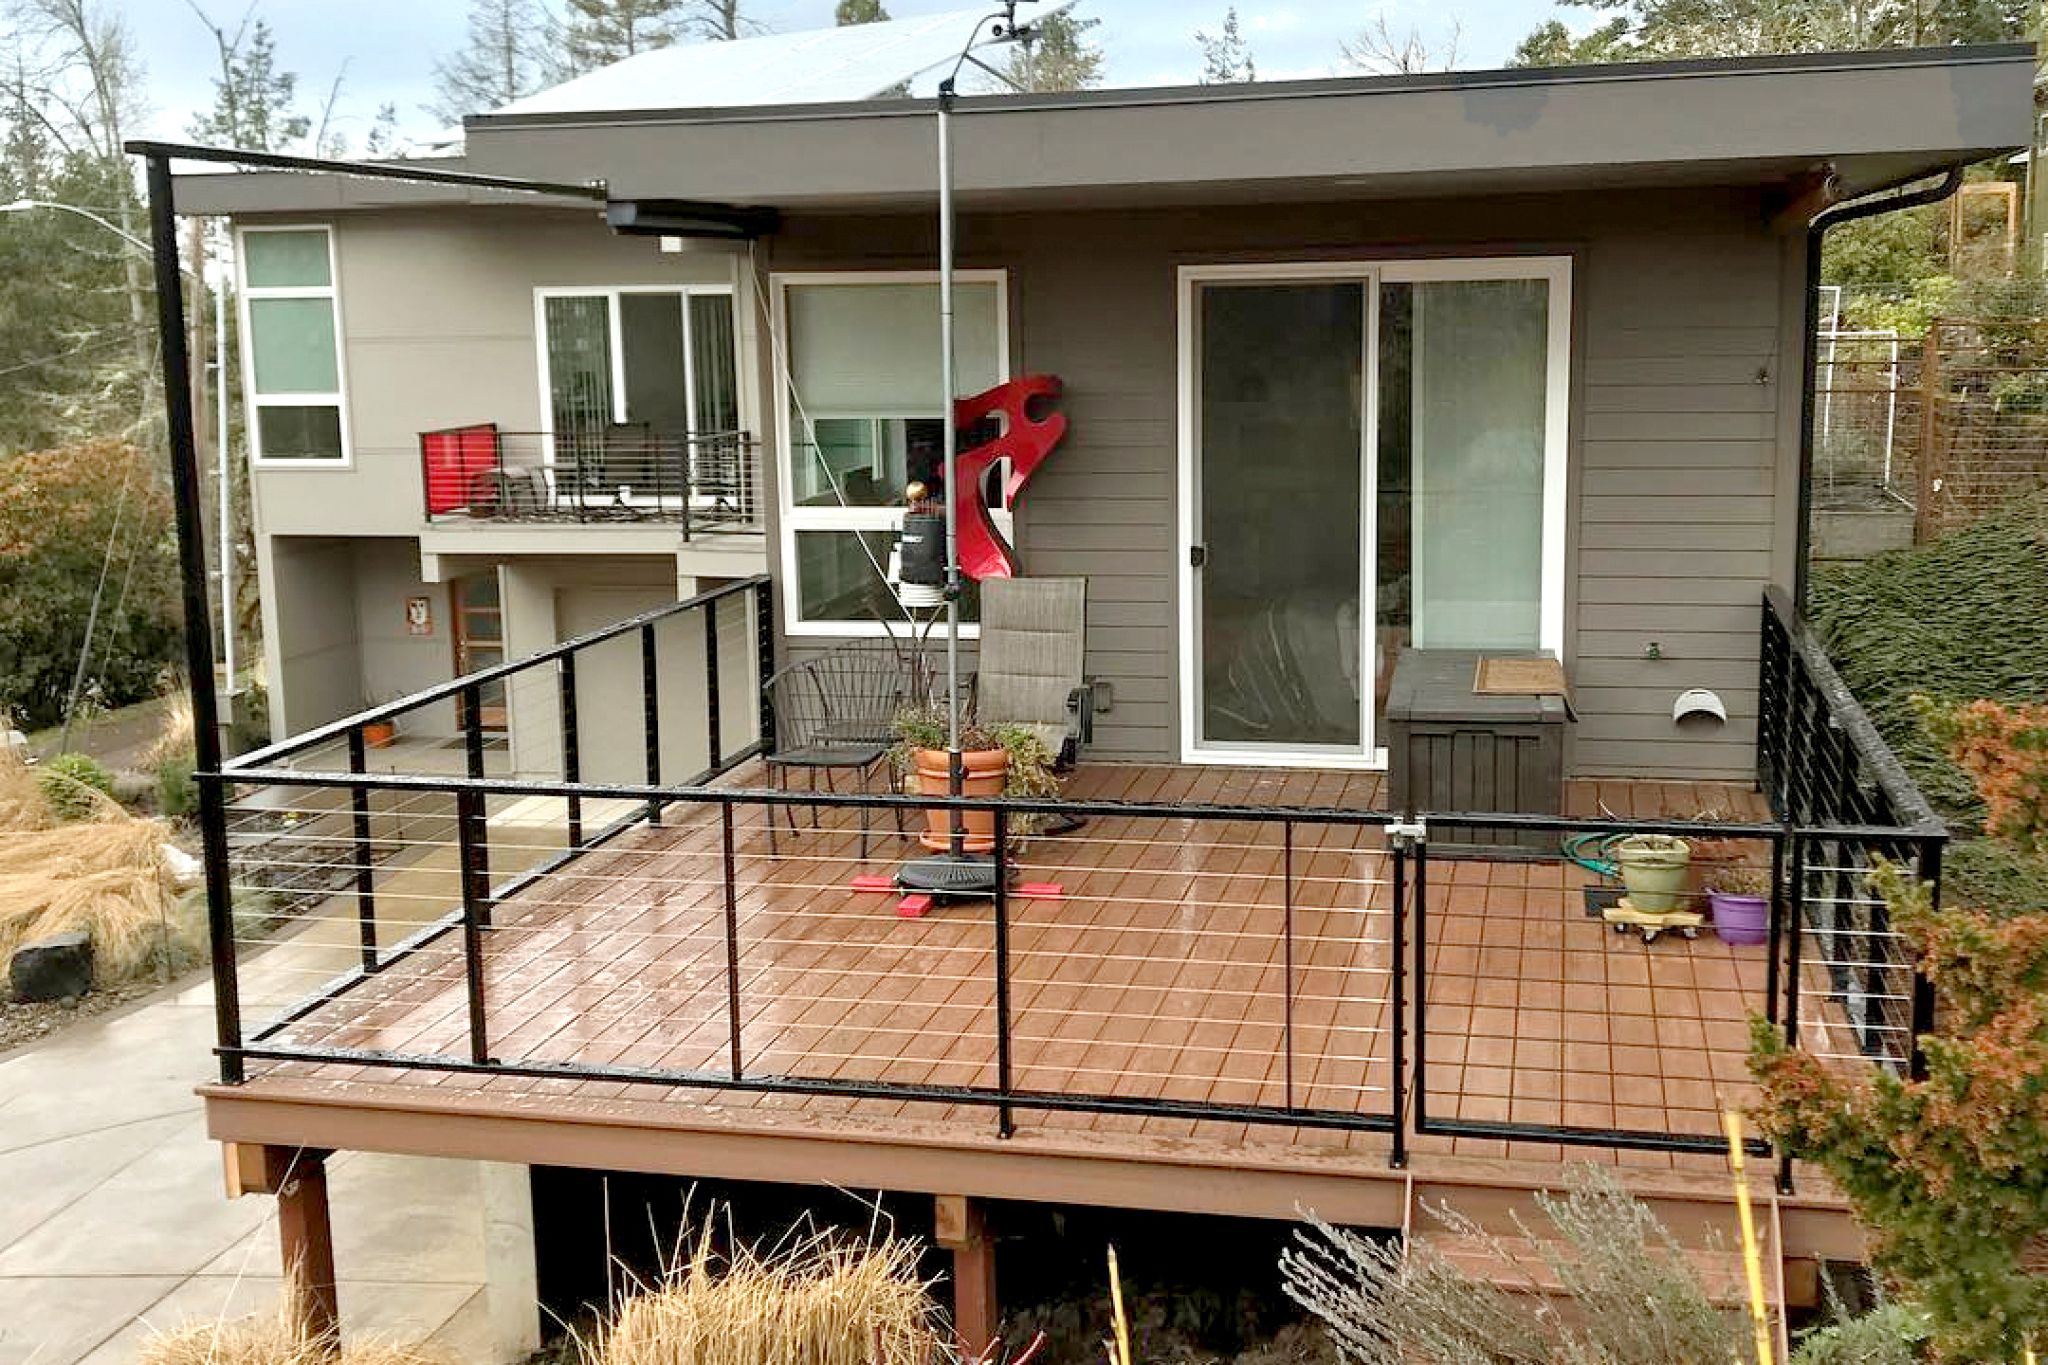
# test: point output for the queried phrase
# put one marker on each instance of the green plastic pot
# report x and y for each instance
(1653, 868)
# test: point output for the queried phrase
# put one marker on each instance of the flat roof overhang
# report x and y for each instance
(1877, 117)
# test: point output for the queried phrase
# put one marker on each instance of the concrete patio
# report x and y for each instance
(114, 1220)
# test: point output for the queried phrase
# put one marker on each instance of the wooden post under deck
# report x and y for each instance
(963, 1231)
(298, 1177)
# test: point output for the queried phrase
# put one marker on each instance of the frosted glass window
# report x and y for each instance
(872, 350)
(1479, 362)
(286, 260)
(293, 346)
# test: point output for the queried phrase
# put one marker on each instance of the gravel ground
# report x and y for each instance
(21, 1025)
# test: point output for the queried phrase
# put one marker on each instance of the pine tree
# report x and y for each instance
(851, 12)
(1226, 58)
(512, 49)
(601, 32)
(1058, 57)
(253, 101)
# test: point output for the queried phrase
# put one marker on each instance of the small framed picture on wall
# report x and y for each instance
(419, 616)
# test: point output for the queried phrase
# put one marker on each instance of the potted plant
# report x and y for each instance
(1740, 896)
(1653, 869)
(995, 760)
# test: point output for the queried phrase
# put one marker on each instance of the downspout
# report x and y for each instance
(1865, 207)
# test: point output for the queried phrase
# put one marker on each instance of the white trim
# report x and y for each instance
(792, 519)
(1368, 273)
(252, 401)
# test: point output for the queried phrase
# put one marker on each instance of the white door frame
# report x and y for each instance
(1367, 754)
(1369, 274)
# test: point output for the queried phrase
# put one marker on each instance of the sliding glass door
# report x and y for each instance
(1372, 460)
(1278, 559)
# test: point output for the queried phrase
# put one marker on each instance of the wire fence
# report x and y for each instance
(1937, 430)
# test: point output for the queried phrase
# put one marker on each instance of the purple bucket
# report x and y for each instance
(1744, 920)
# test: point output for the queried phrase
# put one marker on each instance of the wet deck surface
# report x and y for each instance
(1233, 962)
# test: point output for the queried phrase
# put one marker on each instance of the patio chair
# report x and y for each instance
(837, 713)
(1033, 645)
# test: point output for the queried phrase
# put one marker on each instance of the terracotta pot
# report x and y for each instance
(381, 734)
(982, 773)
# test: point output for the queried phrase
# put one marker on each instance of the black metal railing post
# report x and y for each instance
(764, 659)
(365, 864)
(650, 715)
(686, 455)
(1773, 972)
(732, 934)
(1398, 1158)
(715, 734)
(476, 892)
(1796, 930)
(1287, 958)
(475, 820)
(1005, 1119)
(1923, 989)
(572, 746)
(1420, 894)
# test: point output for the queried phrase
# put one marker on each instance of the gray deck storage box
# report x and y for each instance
(1450, 749)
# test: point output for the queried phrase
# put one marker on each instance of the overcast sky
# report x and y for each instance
(389, 45)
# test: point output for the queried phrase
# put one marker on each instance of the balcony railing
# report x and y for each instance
(1277, 964)
(701, 481)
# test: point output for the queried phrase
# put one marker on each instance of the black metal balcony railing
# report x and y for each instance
(702, 481)
(1346, 1017)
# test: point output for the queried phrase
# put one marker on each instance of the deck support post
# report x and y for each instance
(298, 1177)
(963, 1230)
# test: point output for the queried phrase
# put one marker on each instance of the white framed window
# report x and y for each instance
(294, 371)
(664, 356)
(863, 408)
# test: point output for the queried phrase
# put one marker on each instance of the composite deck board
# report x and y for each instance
(1160, 973)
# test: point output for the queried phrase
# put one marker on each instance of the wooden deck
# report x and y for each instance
(1221, 962)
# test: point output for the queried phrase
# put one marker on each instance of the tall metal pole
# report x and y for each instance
(224, 466)
(951, 435)
(186, 499)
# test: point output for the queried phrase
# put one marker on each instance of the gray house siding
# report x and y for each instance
(1685, 383)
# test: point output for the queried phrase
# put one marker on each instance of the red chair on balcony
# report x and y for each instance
(460, 466)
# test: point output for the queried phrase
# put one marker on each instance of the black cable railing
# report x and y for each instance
(1294, 965)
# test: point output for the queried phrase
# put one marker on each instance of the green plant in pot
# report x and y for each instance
(995, 760)
(1653, 869)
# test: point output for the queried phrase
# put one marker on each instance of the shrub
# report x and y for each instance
(1638, 1300)
(1950, 1173)
(60, 510)
(176, 793)
(75, 786)
(1891, 1334)
(1958, 619)
(811, 1301)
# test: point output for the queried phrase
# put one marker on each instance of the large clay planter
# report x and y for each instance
(1653, 868)
(983, 772)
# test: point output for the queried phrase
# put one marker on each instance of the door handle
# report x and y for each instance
(1198, 555)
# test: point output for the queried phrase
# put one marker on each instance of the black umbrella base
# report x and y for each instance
(965, 877)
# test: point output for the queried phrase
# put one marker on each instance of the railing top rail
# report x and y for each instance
(700, 794)
(1884, 766)
(260, 760)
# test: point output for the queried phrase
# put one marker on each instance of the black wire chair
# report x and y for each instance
(837, 713)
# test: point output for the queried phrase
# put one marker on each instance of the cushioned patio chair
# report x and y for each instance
(837, 713)
(1034, 642)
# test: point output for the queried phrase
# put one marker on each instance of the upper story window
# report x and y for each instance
(865, 411)
(291, 329)
(660, 356)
